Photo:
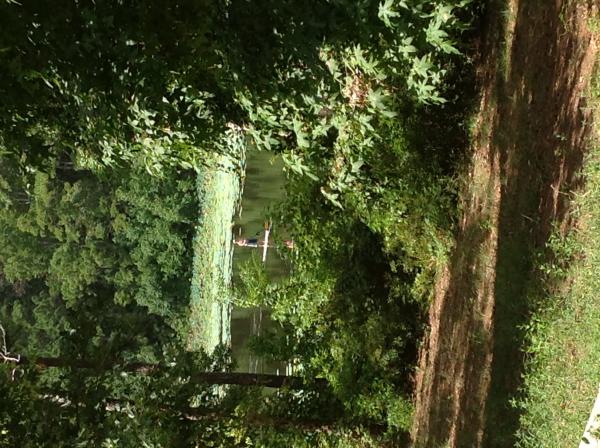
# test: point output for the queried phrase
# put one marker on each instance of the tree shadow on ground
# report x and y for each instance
(529, 146)
(541, 131)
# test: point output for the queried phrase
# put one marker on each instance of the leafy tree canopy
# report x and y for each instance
(113, 82)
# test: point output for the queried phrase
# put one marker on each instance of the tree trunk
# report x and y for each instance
(254, 379)
(216, 378)
(46, 363)
(258, 420)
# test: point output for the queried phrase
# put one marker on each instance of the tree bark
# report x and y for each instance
(254, 379)
(46, 363)
(258, 420)
(215, 378)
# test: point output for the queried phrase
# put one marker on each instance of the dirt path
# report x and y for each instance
(529, 143)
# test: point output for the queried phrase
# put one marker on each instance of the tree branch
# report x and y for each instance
(4, 353)
(215, 378)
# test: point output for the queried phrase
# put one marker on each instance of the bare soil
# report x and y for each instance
(534, 66)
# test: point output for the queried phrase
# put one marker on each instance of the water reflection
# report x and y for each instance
(263, 187)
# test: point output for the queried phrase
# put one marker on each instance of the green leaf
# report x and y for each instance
(301, 136)
(378, 99)
(386, 12)
(332, 197)
(356, 165)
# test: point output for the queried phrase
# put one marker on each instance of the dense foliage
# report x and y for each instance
(369, 199)
(110, 109)
(122, 235)
(353, 307)
(163, 82)
(370, 151)
(95, 272)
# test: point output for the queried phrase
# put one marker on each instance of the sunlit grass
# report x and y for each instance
(562, 373)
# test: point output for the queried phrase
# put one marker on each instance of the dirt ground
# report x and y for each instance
(534, 65)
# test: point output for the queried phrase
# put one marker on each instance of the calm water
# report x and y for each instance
(263, 188)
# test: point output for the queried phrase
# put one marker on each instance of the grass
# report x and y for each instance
(219, 190)
(563, 338)
(509, 16)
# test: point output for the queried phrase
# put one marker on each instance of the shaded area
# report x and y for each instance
(529, 144)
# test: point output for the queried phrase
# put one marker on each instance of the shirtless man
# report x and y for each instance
(255, 242)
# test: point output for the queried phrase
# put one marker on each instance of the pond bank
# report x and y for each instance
(219, 188)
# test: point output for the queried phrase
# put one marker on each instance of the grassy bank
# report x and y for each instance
(219, 189)
(563, 338)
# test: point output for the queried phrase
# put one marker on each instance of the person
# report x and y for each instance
(247, 242)
(255, 242)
